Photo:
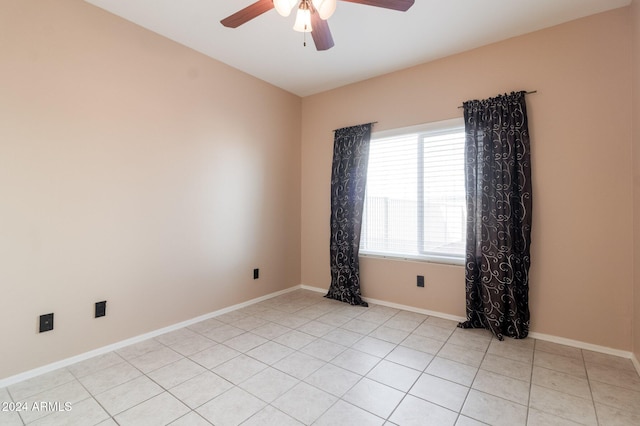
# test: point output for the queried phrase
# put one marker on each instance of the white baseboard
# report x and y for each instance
(636, 364)
(395, 305)
(121, 344)
(580, 345)
(316, 289)
(534, 335)
(416, 310)
(118, 345)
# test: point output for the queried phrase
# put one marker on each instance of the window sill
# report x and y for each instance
(457, 261)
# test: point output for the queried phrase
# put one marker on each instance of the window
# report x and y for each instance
(415, 198)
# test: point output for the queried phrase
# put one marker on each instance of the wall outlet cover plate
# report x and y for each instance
(46, 322)
(101, 309)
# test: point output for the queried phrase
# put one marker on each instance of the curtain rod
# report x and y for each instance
(371, 122)
(526, 93)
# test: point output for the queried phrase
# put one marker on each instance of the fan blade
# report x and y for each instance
(320, 32)
(247, 14)
(401, 5)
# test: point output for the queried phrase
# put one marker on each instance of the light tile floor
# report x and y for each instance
(302, 359)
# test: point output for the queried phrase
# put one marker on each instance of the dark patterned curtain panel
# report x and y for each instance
(498, 185)
(348, 179)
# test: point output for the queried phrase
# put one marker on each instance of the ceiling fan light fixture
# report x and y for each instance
(303, 18)
(284, 7)
(325, 8)
(311, 15)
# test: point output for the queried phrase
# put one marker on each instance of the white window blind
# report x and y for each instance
(415, 196)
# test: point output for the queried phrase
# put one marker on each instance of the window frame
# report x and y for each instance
(423, 130)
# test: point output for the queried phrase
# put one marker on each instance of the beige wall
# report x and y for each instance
(635, 16)
(136, 171)
(581, 278)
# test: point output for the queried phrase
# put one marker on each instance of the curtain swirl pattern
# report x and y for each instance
(499, 202)
(348, 180)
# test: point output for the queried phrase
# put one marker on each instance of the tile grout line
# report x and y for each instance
(417, 378)
(474, 376)
(533, 356)
(379, 323)
(586, 372)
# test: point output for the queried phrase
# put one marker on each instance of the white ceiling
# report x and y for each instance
(369, 41)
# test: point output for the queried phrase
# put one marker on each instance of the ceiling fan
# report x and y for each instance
(311, 17)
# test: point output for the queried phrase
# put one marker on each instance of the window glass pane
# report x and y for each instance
(390, 212)
(444, 197)
(415, 198)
